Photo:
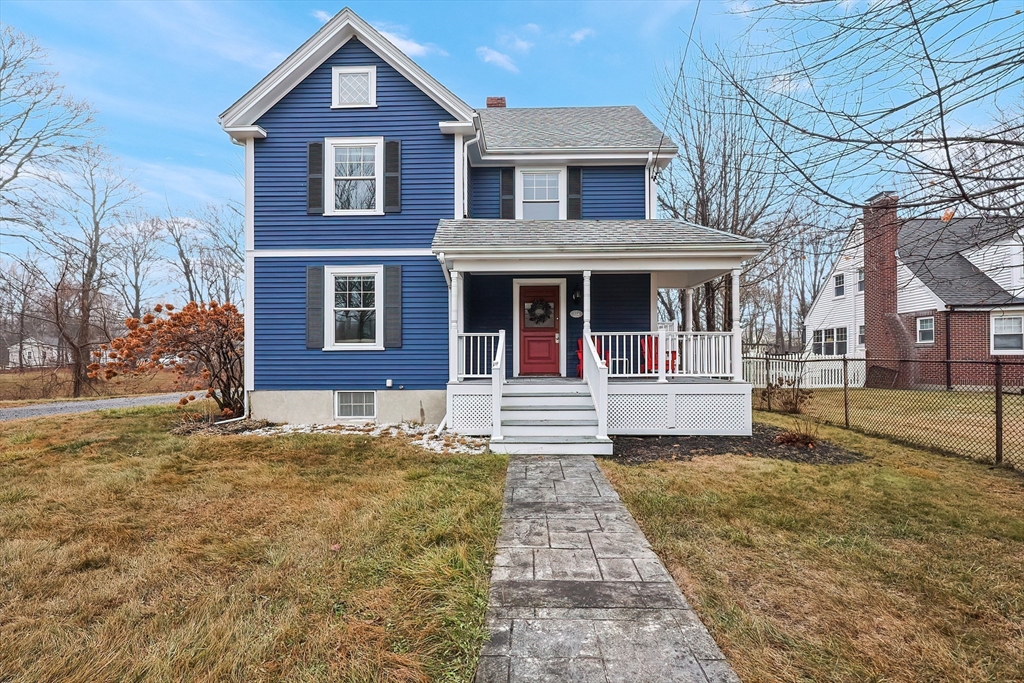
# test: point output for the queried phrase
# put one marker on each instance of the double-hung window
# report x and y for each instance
(354, 319)
(542, 194)
(860, 336)
(816, 345)
(839, 285)
(831, 341)
(353, 86)
(1007, 333)
(926, 330)
(355, 167)
(840, 341)
(860, 279)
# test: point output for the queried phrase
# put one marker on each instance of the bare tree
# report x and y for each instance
(134, 255)
(904, 90)
(209, 252)
(75, 214)
(39, 124)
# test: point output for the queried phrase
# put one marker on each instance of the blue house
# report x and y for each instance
(495, 271)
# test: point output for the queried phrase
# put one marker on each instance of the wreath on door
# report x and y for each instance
(540, 311)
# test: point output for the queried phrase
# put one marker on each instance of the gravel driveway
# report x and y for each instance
(69, 407)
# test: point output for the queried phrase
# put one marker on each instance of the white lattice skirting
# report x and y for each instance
(471, 413)
(680, 409)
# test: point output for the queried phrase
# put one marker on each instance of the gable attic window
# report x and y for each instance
(353, 86)
(839, 285)
(355, 168)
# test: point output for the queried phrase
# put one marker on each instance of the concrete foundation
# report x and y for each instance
(317, 407)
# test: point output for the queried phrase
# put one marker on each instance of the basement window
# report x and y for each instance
(355, 404)
(926, 330)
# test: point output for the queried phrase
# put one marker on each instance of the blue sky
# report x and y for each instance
(159, 73)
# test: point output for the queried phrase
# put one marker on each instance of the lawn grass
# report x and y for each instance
(906, 566)
(958, 422)
(40, 385)
(130, 554)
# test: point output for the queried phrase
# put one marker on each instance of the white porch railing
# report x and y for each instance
(476, 354)
(668, 353)
(595, 374)
(497, 383)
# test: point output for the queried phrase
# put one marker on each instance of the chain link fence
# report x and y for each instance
(967, 408)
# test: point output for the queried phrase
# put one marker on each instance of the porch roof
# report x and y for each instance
(489, 236)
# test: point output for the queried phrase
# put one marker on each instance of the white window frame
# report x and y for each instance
(370, 71)
(860, 279)
(835, 285)
(862, 335)
(992, 333)
(918, 325)
(330, 144)
(359, 418)
(378, 300)
(563, 190)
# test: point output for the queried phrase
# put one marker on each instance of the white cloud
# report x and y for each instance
(491, 56)
(534, 28)
(321, 16)
(398, 35)
(513, 42)
(579, 36)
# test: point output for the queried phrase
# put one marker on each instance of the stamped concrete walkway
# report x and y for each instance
(577, 594)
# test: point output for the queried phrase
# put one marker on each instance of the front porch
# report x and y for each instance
(553, 349)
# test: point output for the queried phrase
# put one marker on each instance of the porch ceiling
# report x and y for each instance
(619, 246)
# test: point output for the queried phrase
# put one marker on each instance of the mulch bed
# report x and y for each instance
(636, 450)
(197, 425)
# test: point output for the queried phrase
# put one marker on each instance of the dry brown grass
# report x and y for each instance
(904, 567)
(130, 554)
(20, 387)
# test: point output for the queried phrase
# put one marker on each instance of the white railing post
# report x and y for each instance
(497, 381)
(737, 335)
(688, 309)
(453, 324)
(660, 356)
(586, 302)
(595, 372)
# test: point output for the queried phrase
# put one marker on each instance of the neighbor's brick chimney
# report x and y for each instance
(495, 102)
(881, 231)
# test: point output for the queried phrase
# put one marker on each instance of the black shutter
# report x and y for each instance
(508, 193)
(315, 177)
(392, 176)
(574, 200)
(392, 307)
(314, 307)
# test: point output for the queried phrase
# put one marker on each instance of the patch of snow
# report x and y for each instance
(417, 434)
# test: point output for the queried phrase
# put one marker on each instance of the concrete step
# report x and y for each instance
(546, 400)
(532, 445)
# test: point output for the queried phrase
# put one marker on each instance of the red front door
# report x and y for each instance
(539, 325)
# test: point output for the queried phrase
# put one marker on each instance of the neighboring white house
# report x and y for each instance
(834, 324)
(32, 353)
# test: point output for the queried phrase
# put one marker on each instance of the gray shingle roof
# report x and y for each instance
(932, 250)
(482, 234)
(571, 128)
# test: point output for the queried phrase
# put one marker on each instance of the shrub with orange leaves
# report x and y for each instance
(202, 343)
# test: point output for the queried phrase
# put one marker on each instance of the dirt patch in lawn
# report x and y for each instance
(763, 443)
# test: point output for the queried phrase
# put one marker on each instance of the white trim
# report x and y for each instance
(992, 331)
(329, 273)
(249, 314)
(460, 175)
(574, 157)
(529, 282)
(332, 253)
(330, 144)
(371, 73)
(347, 418)
(311, 54)
(563, 191)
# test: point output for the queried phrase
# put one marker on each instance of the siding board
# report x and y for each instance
(613, 192)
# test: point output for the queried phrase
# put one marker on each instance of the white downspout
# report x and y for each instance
(465, 166)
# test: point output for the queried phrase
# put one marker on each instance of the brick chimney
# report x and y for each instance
(881, 231)
(495, 102)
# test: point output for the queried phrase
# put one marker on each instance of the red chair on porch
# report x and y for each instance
(579, 355)
(649, 346)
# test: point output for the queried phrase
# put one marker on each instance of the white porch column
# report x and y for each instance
(453, 331)
(737, 335)
(586, 302)
(688, 309)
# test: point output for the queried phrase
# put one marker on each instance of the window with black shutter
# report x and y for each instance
(392, 307)
(508, 193)
(315, 177)
(314, 307)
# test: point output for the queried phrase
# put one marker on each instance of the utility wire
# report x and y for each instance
(675, 88)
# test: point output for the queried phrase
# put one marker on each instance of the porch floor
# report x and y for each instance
(611, 380)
